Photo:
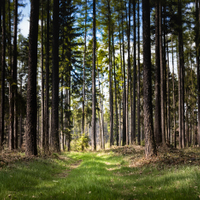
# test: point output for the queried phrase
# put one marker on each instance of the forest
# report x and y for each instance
(100, 73)
(101, 100)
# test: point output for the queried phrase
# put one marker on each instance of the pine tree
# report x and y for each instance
(93, 80)
(150, 147)
(31, 120)
(55, 80)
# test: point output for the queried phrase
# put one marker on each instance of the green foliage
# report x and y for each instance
(81, 143)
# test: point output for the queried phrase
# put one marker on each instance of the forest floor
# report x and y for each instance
(116, 173)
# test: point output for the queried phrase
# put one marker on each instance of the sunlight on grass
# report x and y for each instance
(100, 175)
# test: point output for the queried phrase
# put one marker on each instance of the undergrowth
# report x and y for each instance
(117, 173)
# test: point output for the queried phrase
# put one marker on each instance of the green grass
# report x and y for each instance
(100, 175)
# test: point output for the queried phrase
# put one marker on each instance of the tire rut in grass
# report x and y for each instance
(72, 166)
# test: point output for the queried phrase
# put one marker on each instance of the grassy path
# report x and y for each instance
(101, 175)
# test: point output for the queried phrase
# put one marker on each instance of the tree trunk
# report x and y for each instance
(55, 80)
(181, 79)
(124, 85)
(93, 80)
(120, 132)
(31, 120)
(197, 60)
(14, 66)
(84, 65)
(133, 113)
(128, 78)
(161, 76)
(110, 76)
(46, 114)
(11, 86)
(150, 147)
(157, 126)
(42, 83)
(116, 107)
(168, 98)
(3, 75)
(138, 77)
(174, 103)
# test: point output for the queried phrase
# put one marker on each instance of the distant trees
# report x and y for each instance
(151, 91)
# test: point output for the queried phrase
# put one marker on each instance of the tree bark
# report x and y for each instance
(31, 120)
(181, 79)
(197, 60)
(42, 82)
(150, 147)
(138, 77)
(93, 80)
(161, 75)
(46, 106)
(116, 107)
(110, 76)
(157, 126)
(124, 84)
(84, 65)
(3, 75)
(55, 80)
(174, 103)
(133, 104)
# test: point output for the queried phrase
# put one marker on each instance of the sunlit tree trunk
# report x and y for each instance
(46, 106)
(93, 80)
(133, 105)
(55, 80)
(110, 75)
(124, 84)
(116, 99)
(84, 65)
(150, 147)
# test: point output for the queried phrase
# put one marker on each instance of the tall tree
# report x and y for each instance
(14, 68)
(3, 75)
(93, 80)
(110, 74)
(124, 80)
(150, 147)
(55, 80)
(116, 107)
(84, 67)
(133, 127)
(31, 120)
(181, 78)
(157, 126)
(197, 61)
(46, 106)
(138, 77)
(42, 81)
(161, 75)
